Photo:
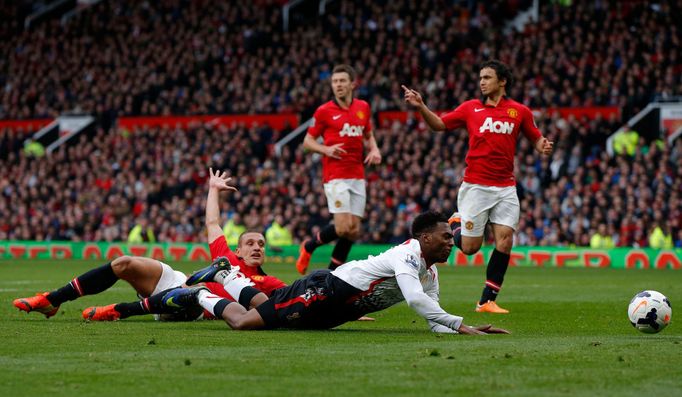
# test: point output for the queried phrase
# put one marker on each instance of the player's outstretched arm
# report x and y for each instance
(217, 182)
(426, 307)
(413, 98)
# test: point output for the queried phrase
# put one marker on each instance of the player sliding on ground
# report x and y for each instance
(326, 299)
(151, 277)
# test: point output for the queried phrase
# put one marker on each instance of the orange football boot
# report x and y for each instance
(38, 303)
(303, 259)
(101, 313)
(490, 307)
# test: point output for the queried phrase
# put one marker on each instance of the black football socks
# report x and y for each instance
(340, 252)
(497, 267)
(92, 282)
(326, 235)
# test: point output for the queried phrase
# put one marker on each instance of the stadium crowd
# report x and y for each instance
(103, 186)
(178, 57)
(197, 57)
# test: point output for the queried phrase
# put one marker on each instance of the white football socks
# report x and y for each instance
(208, 300)
(234, 282)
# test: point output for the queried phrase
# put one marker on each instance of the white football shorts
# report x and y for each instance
(171, 279)
(346, 196)
(479, 204)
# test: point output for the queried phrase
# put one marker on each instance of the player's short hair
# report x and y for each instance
(343, 68)
(241, 236)
(502, 70)
(426, 222)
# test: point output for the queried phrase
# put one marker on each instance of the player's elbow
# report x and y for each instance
(415, 304)
(439, 125)
(308, 142)
(210, 221)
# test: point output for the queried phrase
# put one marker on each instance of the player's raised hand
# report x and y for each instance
(219, 180)
(412, 97)
(373, 157)
(334, 151)
(544, 146)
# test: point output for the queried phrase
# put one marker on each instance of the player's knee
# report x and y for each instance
(343, 231)
(350, 231)
(504, 243)
(121, 264)
(471, 245)
(470, 249)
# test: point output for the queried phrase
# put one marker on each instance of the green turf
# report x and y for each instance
(571, 337)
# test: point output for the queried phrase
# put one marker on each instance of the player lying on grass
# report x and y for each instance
(326, 299)
(151, 277)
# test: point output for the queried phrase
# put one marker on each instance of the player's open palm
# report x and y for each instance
(412, 97)
(219, 180)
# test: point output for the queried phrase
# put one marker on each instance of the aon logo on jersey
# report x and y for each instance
(498, 127)
(351, 130)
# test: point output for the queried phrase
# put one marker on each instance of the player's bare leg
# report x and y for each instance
(469, 245)
(141, 273)
(237, 317)
(497, 267)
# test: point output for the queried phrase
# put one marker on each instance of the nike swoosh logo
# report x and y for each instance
(638, 306)
(170, 303)
(336, 117)
(479, 110)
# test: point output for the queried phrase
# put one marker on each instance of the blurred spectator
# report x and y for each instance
(659, 238)
(277, 235)
(142, 232)
(233, 229)
(625, 141)
(601, 239)
(33, 148)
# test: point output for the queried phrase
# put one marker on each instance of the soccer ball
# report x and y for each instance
(650, 312)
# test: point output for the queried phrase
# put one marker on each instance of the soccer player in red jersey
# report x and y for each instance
(345, 126)
(488, 193)
(150, 277)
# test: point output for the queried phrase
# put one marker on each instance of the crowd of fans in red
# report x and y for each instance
(179, 57)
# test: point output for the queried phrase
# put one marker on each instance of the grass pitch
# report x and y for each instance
(571, 337)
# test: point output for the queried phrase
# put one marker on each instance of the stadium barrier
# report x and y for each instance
(621, 258)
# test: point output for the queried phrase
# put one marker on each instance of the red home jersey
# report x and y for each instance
(349, 127)
(493, 133)
(263, 282)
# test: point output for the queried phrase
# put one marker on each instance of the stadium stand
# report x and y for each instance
(199, 57)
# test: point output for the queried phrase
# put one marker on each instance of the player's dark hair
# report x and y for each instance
(502, 70)
(343, 68)
(239, 241)
(426, 222)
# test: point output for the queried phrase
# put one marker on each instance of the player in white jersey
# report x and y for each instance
(326, 299)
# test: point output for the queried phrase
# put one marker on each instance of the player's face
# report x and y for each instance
(439, 243)
(342, 86)
(489, 83)
(252, 249)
